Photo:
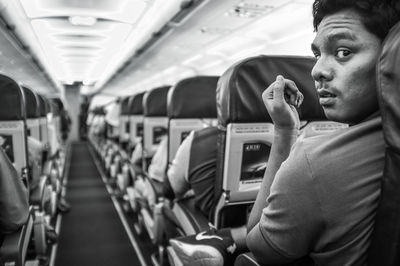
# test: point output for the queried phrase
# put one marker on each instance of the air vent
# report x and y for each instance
(247, 9)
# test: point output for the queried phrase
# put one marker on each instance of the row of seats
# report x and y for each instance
(242, 136)
(231, 108)
(31, 134)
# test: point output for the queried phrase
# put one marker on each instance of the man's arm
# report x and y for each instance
(283, 141)
(280, 99)
(177, 172)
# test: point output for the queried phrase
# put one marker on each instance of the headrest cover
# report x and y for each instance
(241, 86)
(31, 103)
(136, 104)
(54, 108)
(59, 103)
(155, 102)
(12, 100)
(42, 106)
(125, 106)
(389, 88)
(193, 98)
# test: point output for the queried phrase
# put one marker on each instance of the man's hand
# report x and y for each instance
(281, 99)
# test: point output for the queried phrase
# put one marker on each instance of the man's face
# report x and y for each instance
(344, 73)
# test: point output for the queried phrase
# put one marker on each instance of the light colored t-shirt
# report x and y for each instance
(158, 163)
(324, 197)
(178, 170)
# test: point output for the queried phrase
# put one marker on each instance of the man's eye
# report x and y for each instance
(342, 53)
(317, 55)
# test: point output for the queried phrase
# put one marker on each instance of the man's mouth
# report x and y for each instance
(326, 98)
(326, 94)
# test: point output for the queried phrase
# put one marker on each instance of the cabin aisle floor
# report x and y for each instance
(91, 233)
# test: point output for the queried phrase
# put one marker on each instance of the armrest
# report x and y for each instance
(246, 259)
(37, 195)
(14, 247)
(157, 187)
(191, 219)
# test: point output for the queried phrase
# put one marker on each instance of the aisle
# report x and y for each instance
(91, 233)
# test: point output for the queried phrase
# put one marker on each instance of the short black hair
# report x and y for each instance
(378, 16)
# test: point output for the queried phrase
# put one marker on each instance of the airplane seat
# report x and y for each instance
(54, 129)
(14, 247)
(385, 245)
(44, 135)
(155, 123)
(32, 102)
(124, 126)
(191, 106)
(40, 187)
(246, 130)
(132, 168)
(13, 139)
(135, 119)
(13, 125)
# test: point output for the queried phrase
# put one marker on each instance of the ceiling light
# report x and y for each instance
(82, 21)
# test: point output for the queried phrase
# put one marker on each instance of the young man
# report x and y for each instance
(319, 196)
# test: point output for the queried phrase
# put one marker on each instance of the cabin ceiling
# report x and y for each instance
(119, 47)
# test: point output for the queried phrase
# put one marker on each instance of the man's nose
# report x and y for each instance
(322, 70)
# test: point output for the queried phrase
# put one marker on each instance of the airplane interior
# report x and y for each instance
(104, 102)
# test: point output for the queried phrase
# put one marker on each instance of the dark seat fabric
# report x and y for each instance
(42, 106)
(136, 104)
(125, 106)
(155, 102)
(241, 86)
(59, 103)
(193, 98)
(385, 245)
(239, 95)
(203, 167)
(12, 100)
(31, 103)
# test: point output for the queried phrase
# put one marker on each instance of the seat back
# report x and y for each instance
(124, 126)
(155, 120)
(32, 112)
(44, 134)
(385, 245)
(191, 105)
(55, 114)
(13, 129)
(136, 118)
(246, 129)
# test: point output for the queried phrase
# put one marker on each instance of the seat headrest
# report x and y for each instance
(125, 106)
(54, 108)
(31, 103)
(240, 88)
(193, 98)
(389, 88)
(42, 106)
(12, 100)
(136, 104)
(155, 102)
(99, 111)
(59, 103)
